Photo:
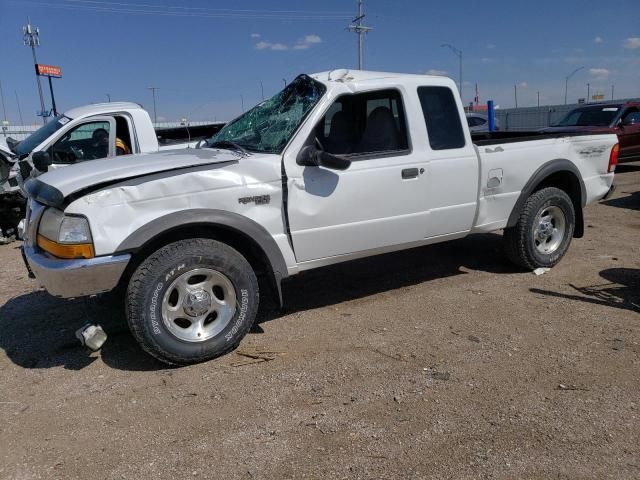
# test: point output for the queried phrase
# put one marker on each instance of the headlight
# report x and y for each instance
(65, 236)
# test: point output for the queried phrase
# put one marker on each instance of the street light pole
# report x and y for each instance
(262, 89)
(566, 82)
(32, 39)
(588, 91)
(109, 97)
(457, 53)
(155, 113)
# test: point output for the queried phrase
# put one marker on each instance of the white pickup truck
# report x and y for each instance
(85, 133)
(92, 132)
(339, 165)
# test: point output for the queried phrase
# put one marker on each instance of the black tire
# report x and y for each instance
(519, 242)
(154, 276)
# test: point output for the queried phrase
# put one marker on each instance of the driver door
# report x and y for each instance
(90, 140)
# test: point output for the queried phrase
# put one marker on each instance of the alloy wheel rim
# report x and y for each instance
(198, 305)
(550, 226)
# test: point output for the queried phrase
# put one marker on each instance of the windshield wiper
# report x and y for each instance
(228, 144)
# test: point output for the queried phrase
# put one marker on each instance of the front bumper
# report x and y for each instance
(78, 277)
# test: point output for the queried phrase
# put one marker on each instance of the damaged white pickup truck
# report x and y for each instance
(339, 165)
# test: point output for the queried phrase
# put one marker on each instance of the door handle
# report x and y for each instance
(408, 173)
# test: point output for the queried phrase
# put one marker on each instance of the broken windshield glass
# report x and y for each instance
(268, 126)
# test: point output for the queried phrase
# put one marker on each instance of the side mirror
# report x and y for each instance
(310, 156)
(41, 160)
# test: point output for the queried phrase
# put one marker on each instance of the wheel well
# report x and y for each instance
(570, 184)
(244, 244)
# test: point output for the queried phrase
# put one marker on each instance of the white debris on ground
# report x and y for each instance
(541, 271)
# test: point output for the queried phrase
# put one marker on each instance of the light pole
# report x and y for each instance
(458, 53)
(242, 102)
(32, 39)
(262, 89)
(566, 82)
(109, 97)
(588, 91)
(285, 82)
(515, 94)
(155, 113)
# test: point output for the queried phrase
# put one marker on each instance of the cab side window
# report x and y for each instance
(364, 124)
(88, 141)
(442, 118)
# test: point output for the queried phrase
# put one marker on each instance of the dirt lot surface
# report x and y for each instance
(439, 362)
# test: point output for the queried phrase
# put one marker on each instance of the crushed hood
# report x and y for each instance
(62, 182)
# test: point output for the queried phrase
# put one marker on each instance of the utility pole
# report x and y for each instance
(588, 91)
(612, 87)
(566, 82)
(242, 102)
(4, 110)
(285, 82)
(538, 98)
(262, 89)
(457, 53)
(155, 112)
(32, 39)
(108, 97)
(358, 28)
(19, 109)
(515, 94)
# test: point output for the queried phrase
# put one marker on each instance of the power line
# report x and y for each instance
(181, 7)
(260, 15)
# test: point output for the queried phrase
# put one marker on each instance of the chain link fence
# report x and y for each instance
(532, 118)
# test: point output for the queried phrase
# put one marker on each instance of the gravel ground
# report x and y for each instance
(438, 362)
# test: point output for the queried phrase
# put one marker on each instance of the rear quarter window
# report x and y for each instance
(441, 117)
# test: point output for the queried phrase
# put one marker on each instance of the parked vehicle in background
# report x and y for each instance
(337, 166)
(86, 133)
(479, 122)
(623, 119)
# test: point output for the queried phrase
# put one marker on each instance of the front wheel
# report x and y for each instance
(192, 301)
(544, 230)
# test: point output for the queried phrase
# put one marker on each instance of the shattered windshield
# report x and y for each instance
(26, 146)
(268, 126)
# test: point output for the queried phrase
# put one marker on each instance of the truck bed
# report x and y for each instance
(494, 138)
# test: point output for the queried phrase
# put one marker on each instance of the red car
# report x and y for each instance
(622, 119)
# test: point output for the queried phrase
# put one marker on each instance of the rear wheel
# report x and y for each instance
(544, 230)
(191, 301)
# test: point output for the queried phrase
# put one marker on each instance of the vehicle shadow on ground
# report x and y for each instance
(631, 201)
(37, 330)
(622, 290)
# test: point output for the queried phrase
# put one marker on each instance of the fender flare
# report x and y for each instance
(239, 224)
(547, 169)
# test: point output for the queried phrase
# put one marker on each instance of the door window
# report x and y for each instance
(364, 125)
(442, 118)
(89, 141)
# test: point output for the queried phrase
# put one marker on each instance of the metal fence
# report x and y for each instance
(531, 118)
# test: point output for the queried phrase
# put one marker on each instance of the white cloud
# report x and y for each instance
(632, 42)
(599, 73)
(303, 44)
(434, 71)
(307, 42)
(523, 84)
(598, 40)
(255, 35)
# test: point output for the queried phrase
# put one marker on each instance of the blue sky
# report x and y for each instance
(205, 55)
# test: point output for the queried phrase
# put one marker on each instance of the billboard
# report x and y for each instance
(48, 70)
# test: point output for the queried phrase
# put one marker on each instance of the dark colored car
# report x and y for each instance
(622, 119)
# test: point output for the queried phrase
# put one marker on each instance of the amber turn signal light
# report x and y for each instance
(69, 251)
